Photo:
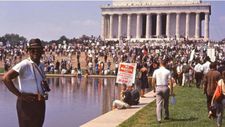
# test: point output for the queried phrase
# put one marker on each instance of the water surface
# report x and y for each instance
(72, 101)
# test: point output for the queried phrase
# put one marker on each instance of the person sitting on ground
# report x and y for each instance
(129, 96)
(125, 96)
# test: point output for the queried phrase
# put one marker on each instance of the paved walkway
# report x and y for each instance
(116, 117)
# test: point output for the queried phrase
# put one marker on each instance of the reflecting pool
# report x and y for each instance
(72, 101)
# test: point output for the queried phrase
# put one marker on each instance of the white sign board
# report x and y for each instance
(212, 54)
(126, 73)
(192, 55)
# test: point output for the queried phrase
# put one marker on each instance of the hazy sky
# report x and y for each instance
(50, 20)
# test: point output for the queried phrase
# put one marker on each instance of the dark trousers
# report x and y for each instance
(209, 99)
(179, 78)
(30, 114)
(198, 78)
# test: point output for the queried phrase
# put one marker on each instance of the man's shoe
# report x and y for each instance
(210, 115)
(166, 118)
(219, 125)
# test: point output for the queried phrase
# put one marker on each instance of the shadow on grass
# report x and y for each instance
(183, 120)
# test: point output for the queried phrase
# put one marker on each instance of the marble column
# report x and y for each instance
(206, 36)
(178, 25)
(103, 27)
(158, 25)
(148, 26)
(138, 26)
(197, 26)
(187, 26)
(119, 26)
(168, 25)
(128, 25)
(111, 27)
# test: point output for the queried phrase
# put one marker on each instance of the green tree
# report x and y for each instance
(63, 39)
(13, 39)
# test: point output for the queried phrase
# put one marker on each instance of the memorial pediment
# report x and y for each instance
(153, 2)
(143, 20)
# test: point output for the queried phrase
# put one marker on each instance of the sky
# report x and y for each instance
(49, 20)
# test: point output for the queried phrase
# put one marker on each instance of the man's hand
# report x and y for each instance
(172, 94)
(204, 92)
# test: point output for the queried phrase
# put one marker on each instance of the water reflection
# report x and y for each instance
(72, 101)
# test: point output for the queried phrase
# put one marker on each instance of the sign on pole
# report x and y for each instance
(192, 55)
(212, 54)
(126, 73)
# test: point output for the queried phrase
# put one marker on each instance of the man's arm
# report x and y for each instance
(205, 84)
(153, 81)
(171, 86)
(7, 79)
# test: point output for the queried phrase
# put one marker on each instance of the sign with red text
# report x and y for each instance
(126, 73)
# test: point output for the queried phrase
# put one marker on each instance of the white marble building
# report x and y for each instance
(155, 19)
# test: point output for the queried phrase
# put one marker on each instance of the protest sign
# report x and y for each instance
(192, 55)
(212, 54)
(126, 73)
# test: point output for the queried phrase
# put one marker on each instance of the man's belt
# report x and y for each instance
(36, 97)
(161, 85)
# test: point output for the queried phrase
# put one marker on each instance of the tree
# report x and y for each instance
(13, 39)
(63, 39)
(223, 39)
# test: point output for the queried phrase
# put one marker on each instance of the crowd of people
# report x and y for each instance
(101, 57)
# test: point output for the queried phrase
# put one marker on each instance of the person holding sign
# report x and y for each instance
(129, 97)
(125, 96)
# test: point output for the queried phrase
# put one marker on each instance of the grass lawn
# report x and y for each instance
(1, 70)
(189, 111)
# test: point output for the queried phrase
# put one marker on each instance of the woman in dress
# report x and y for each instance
(144, 79)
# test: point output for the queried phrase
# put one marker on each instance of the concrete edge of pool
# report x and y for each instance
(115, 117)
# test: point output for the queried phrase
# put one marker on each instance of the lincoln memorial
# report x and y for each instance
(144, 20)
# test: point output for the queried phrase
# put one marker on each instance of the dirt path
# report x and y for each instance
(74, 61)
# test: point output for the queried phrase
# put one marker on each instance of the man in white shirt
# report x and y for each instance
(162, 77)
(206, 65)
(31, 93)
(179, 73)
(198, 73)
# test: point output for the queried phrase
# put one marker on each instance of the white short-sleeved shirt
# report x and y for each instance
(26, 79)
(206, 67)
(162, 75)
(198, 68)
(179, 69)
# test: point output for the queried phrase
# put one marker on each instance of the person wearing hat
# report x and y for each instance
(30, 92)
